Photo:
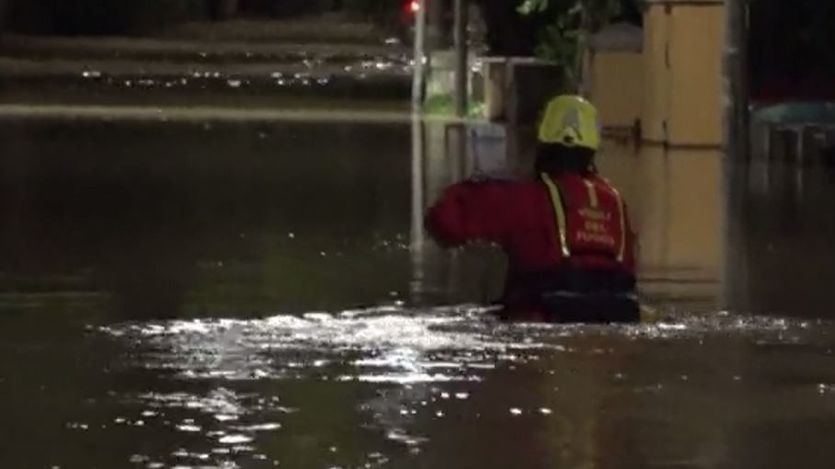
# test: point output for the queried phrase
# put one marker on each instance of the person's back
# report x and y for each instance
(566, 233)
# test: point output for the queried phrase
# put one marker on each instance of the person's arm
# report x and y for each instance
(472, 211)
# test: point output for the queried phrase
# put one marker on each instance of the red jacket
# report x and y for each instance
(591, 232)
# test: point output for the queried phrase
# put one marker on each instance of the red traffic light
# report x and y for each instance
(413, 6)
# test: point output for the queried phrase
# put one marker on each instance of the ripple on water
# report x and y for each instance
(392, 344)
(234, 439)
(392, 349)
(386, 344)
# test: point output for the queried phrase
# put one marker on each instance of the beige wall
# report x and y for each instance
(675, 199)
(697, 43)
(675, 87)
(617, 87)
(683, 52)
(657, 75)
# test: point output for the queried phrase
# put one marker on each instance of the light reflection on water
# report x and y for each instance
(117, 226)
(424, 365)
(379, 345)
(405, 346)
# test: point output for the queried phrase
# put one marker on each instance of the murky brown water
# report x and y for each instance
(258, 295)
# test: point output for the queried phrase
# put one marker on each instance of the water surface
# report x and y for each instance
(259, 294)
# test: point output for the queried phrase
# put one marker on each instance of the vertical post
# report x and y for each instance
(417, 244)
(736, 80)
(461, 53)
(420, 53)
(736, 143)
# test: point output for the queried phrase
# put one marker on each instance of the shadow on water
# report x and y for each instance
(255, 294)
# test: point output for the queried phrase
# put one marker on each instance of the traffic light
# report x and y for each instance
(413, 6)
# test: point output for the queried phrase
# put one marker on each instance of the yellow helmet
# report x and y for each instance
(570, 121)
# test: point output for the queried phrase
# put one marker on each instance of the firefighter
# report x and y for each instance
(566, 231)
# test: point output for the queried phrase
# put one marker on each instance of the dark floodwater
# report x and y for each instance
(259, 295)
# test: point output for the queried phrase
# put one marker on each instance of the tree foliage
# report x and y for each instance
(571, 22)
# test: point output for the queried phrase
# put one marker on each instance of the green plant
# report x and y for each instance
(529, 7)
(563, 39)
(444, 105)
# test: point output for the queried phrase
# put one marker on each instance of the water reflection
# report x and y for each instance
(782, 240)
(250, 295)
(427, 373)
(173, 221)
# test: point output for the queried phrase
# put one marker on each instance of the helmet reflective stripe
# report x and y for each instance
(559, 214)
(570, 121)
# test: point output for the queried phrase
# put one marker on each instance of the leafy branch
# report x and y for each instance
(565, 38)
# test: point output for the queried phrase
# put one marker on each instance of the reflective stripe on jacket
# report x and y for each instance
(589, 216)
(587, 230)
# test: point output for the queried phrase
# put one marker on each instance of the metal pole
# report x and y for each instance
(417, 245)
(420, 53)
(736, 80)
(736, 142)
(461, 53)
